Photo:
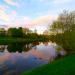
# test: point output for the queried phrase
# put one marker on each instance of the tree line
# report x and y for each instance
(63, 31)
(20, 35)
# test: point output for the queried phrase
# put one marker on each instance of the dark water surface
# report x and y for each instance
(15, 59)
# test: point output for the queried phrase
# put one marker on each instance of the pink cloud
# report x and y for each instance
(3, 15)
(11, 2)
(14, 12)
(43, 20)
(29, 23)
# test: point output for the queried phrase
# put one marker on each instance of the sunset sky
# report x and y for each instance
(33, 14)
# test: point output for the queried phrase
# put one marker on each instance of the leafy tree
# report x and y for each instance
(64, 29)
(2, 32)
(14, 32)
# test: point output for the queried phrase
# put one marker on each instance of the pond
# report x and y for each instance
(16, 58)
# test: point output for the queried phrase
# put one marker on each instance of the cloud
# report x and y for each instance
(4, 7)
(13, 12)
(11, 2)
(41, 0)
(3, 15)
(29, 23)
(19, 21)
(61, 1)
(44, 0)
(7, 17)
(12, 19)
(56, 1)
(42, 20)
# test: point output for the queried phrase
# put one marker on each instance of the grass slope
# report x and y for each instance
(65, 66)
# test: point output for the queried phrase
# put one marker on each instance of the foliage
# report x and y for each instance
(20, 35)
(2, 32)
(14, 32)
(64, 31)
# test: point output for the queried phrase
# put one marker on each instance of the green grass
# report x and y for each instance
(64, 66)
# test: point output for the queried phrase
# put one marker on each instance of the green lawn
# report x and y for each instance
(63, 66)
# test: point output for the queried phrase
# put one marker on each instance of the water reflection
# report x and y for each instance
(15, 58)
(15, 47)
(2, 48)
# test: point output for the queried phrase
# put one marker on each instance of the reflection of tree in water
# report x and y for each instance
(35, 43)
(15, 47)
(2, 48)
(18, 47)
(26, 48)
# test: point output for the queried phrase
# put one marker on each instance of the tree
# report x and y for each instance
(2, 32)
(20, 32)
(66, 25)
(26, 31)
(14, 32)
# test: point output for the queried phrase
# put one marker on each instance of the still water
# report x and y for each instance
(16, 58)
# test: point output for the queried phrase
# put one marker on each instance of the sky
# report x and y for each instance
(33, 14)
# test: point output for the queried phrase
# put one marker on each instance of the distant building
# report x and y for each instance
(45, 32)
(35, 31)
(26, 30)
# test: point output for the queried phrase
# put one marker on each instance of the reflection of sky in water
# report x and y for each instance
(13, 63)
(18, 62)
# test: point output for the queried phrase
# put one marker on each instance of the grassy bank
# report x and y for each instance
(65, 66)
